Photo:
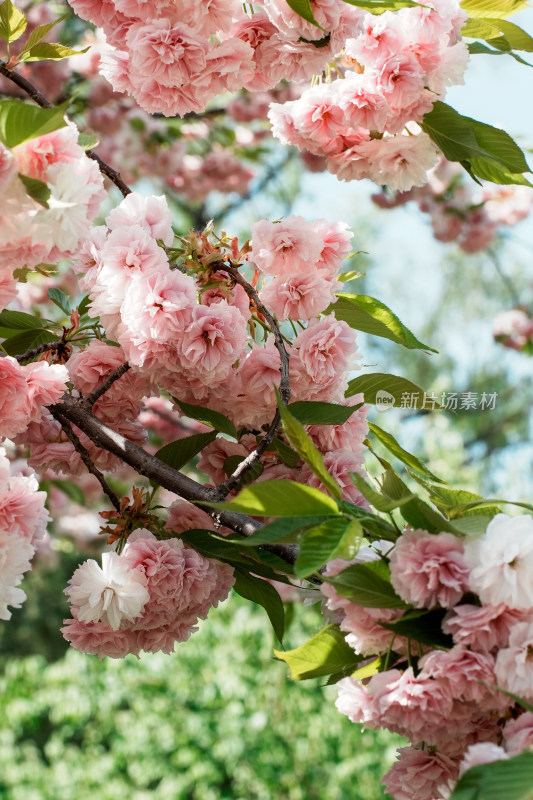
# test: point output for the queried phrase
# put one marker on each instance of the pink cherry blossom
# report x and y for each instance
(518, 733)
(301, 296)
(482, 628)
(420, 774)
(213, 341)
(514, 664)
(285, 248)
(14, 402)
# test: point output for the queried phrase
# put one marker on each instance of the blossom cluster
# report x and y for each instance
(391, 71)
(460, 212)
(514, 329)
(147, 598)
(446, 700)
(31, 233)
(23, 519)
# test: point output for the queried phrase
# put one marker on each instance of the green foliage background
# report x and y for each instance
(218, 719)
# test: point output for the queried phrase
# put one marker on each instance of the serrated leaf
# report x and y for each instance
(20, 122)
(259, 591)
(405, 394)
(232, 462)
(304, 10)
(489, 170)
(377, 499)
(61, 300)
(510, 779)
(36, 189)
(40, 32)
(388, 441)
(88, 140)
(369, 315)
(27, 340)
(288, 529)
(178, 453)
(20, 321)
(209, 417)
(492, 9)
(318, 545)
(367, 585)
(326, 653)
(423, 626)
(281, 498)
(310, 412)
(51, 51)
(12, 22)
(303, 444)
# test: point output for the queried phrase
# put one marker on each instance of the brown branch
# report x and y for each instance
(90, 400)
(85, 456)
(39, 98)
(36, 351)
(226, 487)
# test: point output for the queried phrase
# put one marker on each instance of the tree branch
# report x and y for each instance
(85, 456)
(284, 387)
(36, 351)
(39, 98)
(89, 401)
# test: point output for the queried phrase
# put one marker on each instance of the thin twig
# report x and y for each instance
(85, 456)
(90, 400)
(39, 98)
(226, 487)
(504, 277)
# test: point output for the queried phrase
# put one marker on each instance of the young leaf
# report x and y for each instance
(302, 443)
(12, 22)
(281, 498)
(61, 300)
(318, 545)
(20, 121)
(87, 140)
(367, 585)
(404, 393)
(40, 32)
(326, 653)
(209, 417)
(48, 51)
(388, 440)
(36, 189)
(510, 779)
(304, 10)
(493, 9)
(370, 316)
(310, 412)
(259, 591)
(177, 454)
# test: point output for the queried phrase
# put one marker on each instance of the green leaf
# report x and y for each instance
(493, 9)
(304, 10)
(40, 32)
(88, 140)
(368, 670)
(36, 189)
(288, 529)
(515, 36)
(405, 394)
(367, 585)
(472, 526)
(27, 340)
(319, 543)
(83, 305)
(326, 653)
(281, 498)
(510, 779)
(480, 28)
(379, 6)
(177, 454)
(388, 441)
(61, 300)
(20, 121)
(370, 316)
(310, 412)
(12, 22)
(498, 33)
(420, 515)
(209, 417)
(48, 51)
(285, 453)
(232, 462)
(303, 444)
(263, 593)
(20, 321)
(377, 499)
(422, 626)
(499, 145)
(489, 170)
(475, 48)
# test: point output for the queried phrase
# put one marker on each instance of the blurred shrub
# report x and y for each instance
(215, 721)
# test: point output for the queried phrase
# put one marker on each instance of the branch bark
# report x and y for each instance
(90, 400)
